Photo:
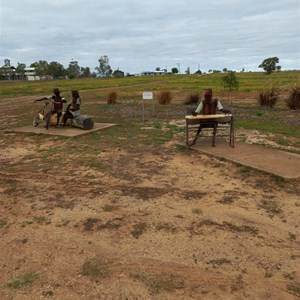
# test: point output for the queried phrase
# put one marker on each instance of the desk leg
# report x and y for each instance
(214, 136)
(231, 141)
(187, 133)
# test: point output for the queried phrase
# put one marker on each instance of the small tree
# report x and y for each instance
(73, 69)
(41, 67)
(21, 69)
(230, 81)
(86, 72)
(56, 69)
(174, 70)
(269, 65)
(104, 68)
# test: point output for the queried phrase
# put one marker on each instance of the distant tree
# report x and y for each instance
(188, 71)
(198, 72)
(73, 70)
(118, 74)
(157, 69)
(230, 81)
(104, 69)
(56, 69)
(269, 65)
(216, 71)
(243, 70)
(210, 71)
(20, 69)
(225, 70)
(174, 70)
(86, 72)
(41, 67)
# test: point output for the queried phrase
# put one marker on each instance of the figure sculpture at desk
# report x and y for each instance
(209, 106)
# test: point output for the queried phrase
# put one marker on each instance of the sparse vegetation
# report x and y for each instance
(96, 268)
(158, 283)
(22, 281)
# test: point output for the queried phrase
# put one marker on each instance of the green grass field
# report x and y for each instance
(249, 82)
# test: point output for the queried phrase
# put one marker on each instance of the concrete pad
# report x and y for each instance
(68, 131)
(277, 162)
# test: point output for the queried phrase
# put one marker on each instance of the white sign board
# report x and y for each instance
(147, 96)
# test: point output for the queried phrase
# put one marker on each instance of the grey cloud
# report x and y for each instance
(140, 35)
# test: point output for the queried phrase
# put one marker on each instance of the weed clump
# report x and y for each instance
(192, 99)
(164, 97)
(268, 98)
(293, 101)
(112, 98)
(138, 229)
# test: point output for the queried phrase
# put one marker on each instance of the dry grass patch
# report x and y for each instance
(96, 268)
(157, 283)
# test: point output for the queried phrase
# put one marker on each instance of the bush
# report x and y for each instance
(112, 98)
(192, 99)
(164, 97)
(268, 98)
(293, 101)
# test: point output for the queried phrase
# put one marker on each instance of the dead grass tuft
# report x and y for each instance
(157, 283)
(164, 97)
(293, 101)
(192, 99)
(112, 98)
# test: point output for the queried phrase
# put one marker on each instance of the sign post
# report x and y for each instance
(146, 96)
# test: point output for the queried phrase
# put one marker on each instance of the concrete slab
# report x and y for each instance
(277, 162)
(68, 131)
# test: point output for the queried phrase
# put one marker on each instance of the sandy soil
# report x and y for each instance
(175, 225)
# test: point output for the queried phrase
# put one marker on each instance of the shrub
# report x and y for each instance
(192, 99)
(268, 98)
(112, 98)
(164, 97)
(293, 101)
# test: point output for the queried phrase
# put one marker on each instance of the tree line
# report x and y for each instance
(57, 70)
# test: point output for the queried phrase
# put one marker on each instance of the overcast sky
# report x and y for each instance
(140, 35)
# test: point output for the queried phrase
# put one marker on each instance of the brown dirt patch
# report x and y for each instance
(81, 220)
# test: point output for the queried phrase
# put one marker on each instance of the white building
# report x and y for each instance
(31, 74)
